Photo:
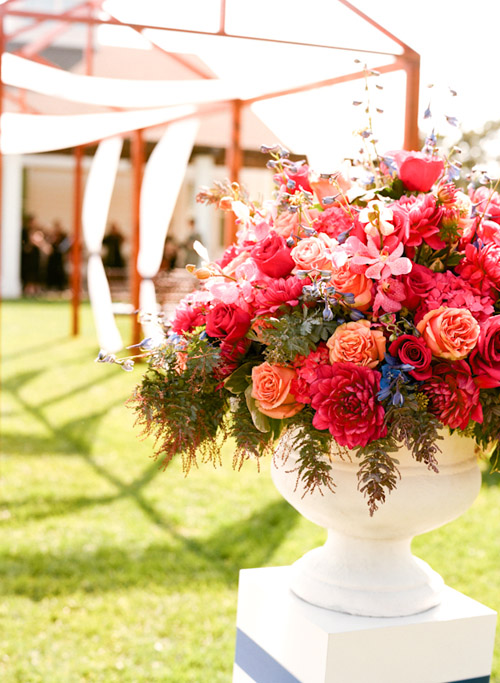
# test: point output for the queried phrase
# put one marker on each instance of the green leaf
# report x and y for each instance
(239, 380)
(260, 420)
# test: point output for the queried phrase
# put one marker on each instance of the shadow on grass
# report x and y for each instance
(178, 564)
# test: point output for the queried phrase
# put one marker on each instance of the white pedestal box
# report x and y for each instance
(282, 639)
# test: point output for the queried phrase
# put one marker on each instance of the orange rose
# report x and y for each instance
(271, 391)
(355, 283)
(450, 333)
(357, 343)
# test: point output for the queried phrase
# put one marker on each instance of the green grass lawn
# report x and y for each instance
(111, 570)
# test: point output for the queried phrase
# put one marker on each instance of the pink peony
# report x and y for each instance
(357, 342)
(453, 395)
(298, 174)
(449, 332)
(269, 297)
(485, 358)
(344, 397)
(290, 223)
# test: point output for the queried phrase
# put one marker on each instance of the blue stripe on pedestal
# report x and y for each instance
(262, 668)
(258, 664)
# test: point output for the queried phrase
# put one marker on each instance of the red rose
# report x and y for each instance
(418, 283)
(485, 358)
(273, 256)
(227, 322)
(413, 351)
(418, 171)
(453, 395)
(344, 396)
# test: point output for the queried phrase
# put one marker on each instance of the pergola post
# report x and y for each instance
(76, 245)
(411, 61)
(234, 161)
(137, 159)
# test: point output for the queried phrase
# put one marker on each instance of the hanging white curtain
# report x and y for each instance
(98, 191)
(163, 177)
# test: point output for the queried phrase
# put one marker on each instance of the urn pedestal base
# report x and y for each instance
(283, 639)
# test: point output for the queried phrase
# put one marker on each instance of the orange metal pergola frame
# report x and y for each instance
(86, 13)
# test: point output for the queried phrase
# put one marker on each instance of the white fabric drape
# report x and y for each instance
(98, 191)
(113, 92)
(31, 133)
(163, 177)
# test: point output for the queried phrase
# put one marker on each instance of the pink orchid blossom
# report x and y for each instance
(381, 263)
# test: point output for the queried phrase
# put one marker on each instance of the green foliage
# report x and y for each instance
(378, 473)
(184, 410)
(295, 334)
(395, 190)
(313, 447)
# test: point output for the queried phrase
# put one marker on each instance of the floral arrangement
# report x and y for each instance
(355, 311)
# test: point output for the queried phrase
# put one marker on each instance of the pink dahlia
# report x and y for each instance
(453, 395)
(344, 396)
(424, 216)
(486, 202)
(277, 293)
(481, 265)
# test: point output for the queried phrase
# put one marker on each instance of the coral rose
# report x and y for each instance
(356, 342)
(357, 284)
(453, 395)
(485, 358)
(344, 397)
(449, 332)
(271, 390)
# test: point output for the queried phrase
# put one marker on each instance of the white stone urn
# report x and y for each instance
(366, 566)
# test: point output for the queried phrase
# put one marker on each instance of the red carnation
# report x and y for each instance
(339, 219)
(227, 322)
(187, 317)
(413, 351)
(276, 293)
(306, 367)
(453, 395)
(485, 358)
(273, 256)
(344, 396)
